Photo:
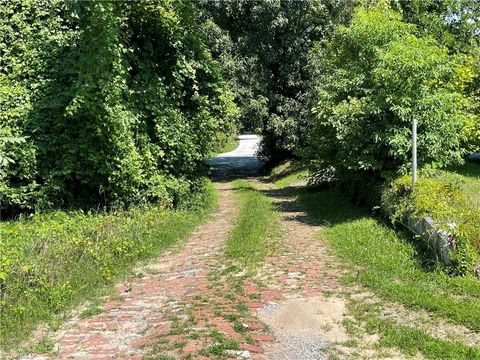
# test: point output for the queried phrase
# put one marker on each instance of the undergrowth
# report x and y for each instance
(450, 200)
(51, 262)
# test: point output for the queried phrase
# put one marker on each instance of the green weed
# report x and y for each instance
(51, 262)
(254, 233)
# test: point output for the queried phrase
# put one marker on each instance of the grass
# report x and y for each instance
(391, 264)
(45, 346)
(288, 173)
(220, 347)
(92, 310)
(412, 340)
(228, 145)
(470, 173)
(387, 262)
(291, 178)
(251, 239)
(52, 262)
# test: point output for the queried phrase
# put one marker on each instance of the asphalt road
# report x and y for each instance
(241, 161)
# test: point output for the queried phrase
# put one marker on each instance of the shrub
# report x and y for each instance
(442, 197)
(119, 102)
(378, 77)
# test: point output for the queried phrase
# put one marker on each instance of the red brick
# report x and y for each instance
(270, 295)
(263, 337)
(97, 340)
(255, 326)
(112, 327)
(250, 289)
(254, 305)
(103, 352)
(161, 329)
(191, 348)
(143, 342)
(252, 348)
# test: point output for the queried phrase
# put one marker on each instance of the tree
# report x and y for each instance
(267, 57)
(378, 77)
(120, 103)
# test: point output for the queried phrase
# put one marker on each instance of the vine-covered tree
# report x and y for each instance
(120, 102)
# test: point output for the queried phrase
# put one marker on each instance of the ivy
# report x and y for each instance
(116, 102)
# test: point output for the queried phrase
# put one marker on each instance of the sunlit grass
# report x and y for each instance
(252, 238)
(52, 262)
(389, 263)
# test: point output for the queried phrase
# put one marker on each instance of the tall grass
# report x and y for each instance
(50, 262)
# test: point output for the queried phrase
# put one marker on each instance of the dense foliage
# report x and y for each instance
(118, 103)
(445, 198)
(379, 76)
(265, 47)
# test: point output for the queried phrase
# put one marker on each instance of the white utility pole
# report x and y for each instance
(414, 151)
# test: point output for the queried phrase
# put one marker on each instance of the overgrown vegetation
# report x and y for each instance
(50, 262)
(109, 109)
(255, 231)
(379, 75)
(119, 103)
(446, 198)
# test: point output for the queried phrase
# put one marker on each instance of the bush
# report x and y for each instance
(119, 103)
(443, 197)
(378, 77)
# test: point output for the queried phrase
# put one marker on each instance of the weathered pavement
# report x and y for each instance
(306, 316)
(192, 303)
(143, 308)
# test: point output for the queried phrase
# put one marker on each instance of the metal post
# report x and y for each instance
(414, 151)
